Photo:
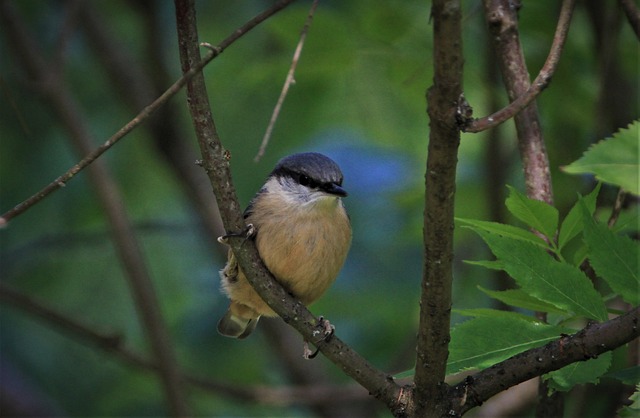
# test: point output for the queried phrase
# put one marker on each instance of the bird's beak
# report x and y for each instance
(335, 189)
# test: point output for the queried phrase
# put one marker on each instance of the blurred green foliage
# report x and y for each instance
(359, 97)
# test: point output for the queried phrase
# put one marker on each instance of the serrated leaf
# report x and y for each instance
(520, 299)
(538, 215)
(544, 278)
(633, 410)
(484, 341)
(613, 160)
(615, 258)
(505, 230)
(489, 264)
(579, 373)
(493, 313)
(573, 223)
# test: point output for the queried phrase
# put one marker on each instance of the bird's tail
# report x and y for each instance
(238, 322)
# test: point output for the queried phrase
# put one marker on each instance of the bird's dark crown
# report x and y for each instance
(309, 167)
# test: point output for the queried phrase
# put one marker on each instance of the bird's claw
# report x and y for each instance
(246, 233)
(327, 331)
(307, 353)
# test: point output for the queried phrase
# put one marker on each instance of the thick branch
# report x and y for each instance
(540, 83)
(592, 341)
(444, 138)
(503, 25)
(502, 17)
(216, 163)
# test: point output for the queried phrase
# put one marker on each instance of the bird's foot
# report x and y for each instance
(326, 330)
(246, 233)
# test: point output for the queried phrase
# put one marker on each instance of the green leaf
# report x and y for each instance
(614, 258)
(493, 313)
(484, 341)
(520, 299)
(489, 264)
(505, 230)
(573, 223)
(544, 278)
(538, 215)
(633, 410)
(579, 373)
(628, 376)
(613, 160)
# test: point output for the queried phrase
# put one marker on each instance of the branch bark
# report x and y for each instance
(215, 161)
(498, 17)
(590, 342)
(444, 139)
(502, 17)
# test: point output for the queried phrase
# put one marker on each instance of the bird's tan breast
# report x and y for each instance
(304, 249)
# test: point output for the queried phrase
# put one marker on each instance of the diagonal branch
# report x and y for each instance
(632, 12)
(59, 98)
(141, 117)
(216, 163)
(540, 83)
(590, 342)
(139, 80)
(114, 345)
(288, 82)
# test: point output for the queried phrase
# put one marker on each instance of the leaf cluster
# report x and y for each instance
(547, 263)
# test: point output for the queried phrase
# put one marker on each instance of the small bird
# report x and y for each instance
(302, 232)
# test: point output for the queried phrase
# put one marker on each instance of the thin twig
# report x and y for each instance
(130, 74)
(143, 115)
(617, 208)
(114, 344)
(502, 17)
(287, 83)
(55, 92)
(539, 84)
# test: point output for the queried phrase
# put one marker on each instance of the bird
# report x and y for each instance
(302, 232)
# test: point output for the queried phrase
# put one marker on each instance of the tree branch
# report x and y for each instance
(114, 345)
(590, 342)
(139, 80)
(142, 116)
(502, 17)
(67, 110)
(496, 19)
(633, 14)
(288, 82)
(444, 139)
(216, 163)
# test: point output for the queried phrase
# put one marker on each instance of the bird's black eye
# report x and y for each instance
(308, 181)
(304, 180)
